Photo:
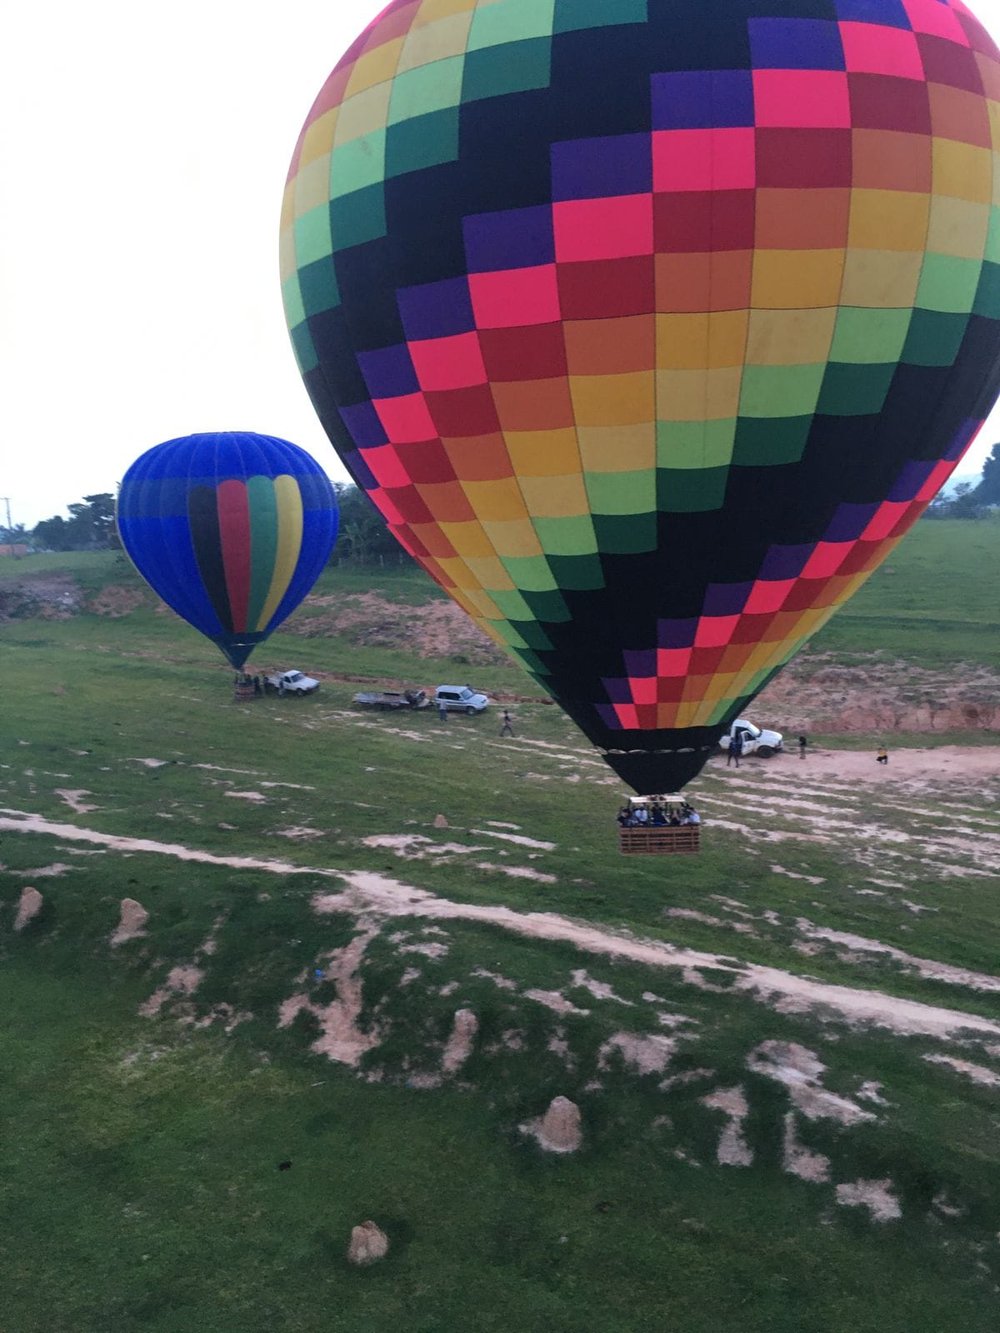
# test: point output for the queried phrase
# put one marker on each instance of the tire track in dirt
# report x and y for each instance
(372, 895)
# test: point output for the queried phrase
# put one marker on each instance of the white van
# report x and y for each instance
(460, 698)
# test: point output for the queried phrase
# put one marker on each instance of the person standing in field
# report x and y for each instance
(803, 742)
(507, 729)
(735, 749)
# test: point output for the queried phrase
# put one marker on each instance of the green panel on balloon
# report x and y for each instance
(620, 493)
(780, 391)
(566, 536)
(291, 295)
(770, 443)
(493, 26)
(358, 217)
(625, 534)
(512, 68)
(530, 573)
(853, 390)
(690, 490)
(512, 604)
(549, 607)
(427, 141)
(532, 635)
(934, 338)
(318, 290)
(577, 573)
(312, 235)
(417, 92)
(535, 664)
(948, 283)
(695, 444)
(304, 348)
(359, 164)
(988, 292)
(576, 15)
(863, 335)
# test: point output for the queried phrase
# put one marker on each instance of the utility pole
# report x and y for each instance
(10, 530)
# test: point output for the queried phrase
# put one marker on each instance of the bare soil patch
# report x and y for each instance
(733, 1149)
(436, 629)
(41, 597)
(938, 765)
(875, 1195)
(115, 601)
(816, 694)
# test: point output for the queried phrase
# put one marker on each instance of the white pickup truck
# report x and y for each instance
(291, 682)
(756, 740)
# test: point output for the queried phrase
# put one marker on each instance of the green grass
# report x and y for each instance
(933, 601)
(148, 1195)
(138, 1157)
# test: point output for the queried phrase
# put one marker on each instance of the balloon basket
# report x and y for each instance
(657, 839)
(243, 690)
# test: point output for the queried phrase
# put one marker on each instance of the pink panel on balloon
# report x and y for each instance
(604, 228)
(703, 159)
(515, 297)
(448, 363)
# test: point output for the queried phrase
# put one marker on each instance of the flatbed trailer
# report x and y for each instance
(390, 700)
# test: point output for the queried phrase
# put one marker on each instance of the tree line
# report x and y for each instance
(967, 500)
(364, 538)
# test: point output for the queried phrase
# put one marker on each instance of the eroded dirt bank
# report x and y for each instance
(816, 693)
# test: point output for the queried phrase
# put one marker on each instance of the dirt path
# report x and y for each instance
(373, 895)
(940, 763)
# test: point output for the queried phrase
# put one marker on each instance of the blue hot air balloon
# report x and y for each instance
(231, 529)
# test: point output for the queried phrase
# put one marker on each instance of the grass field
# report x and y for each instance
(786, 1051)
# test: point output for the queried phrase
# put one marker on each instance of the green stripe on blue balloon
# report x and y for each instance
(263, 544)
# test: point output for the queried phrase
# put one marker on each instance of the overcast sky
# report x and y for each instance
(142, 159)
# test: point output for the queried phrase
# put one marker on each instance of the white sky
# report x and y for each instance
(142, 159)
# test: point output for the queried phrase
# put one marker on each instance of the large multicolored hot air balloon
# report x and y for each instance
(230, 529)
(651, 325)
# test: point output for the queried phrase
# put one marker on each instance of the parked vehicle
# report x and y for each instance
(291, 682)
(392, 699)
(460, 698)
(756, 740)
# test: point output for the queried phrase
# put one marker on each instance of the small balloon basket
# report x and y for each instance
(658, 826)
(243, 690)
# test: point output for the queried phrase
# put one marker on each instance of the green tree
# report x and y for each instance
(90, 526)
(363, 535)
(964, 503)
(16, 533)
(988, 490)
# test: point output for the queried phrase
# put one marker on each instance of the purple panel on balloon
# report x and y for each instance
(702, 99)
(436, 309)
(521, 238)
(602, 168)
(795, 44)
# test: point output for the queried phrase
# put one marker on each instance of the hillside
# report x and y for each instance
(360, 956)
(914, 652)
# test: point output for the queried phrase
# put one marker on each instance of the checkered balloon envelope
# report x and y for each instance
(651, 326)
